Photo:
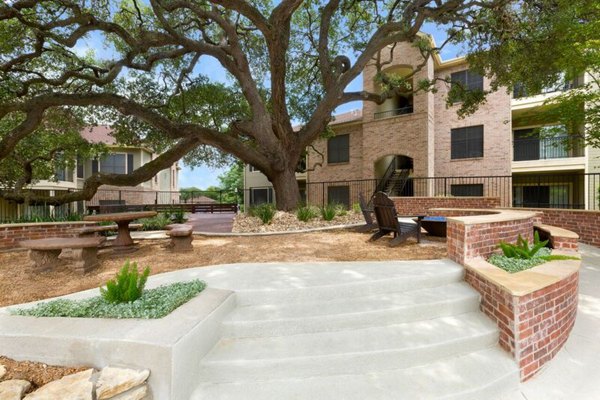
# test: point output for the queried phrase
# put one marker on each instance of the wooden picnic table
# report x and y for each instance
(122, 219)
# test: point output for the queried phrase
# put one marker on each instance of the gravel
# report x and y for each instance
(286, 222)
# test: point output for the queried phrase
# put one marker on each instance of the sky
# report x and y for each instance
(204, 176)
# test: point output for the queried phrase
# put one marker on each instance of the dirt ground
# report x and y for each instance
(37, 373)
(19, 284)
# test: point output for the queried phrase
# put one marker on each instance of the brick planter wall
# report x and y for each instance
(585, 223)
(421, 205)
(474, 240)
(534, 309)
(12, 234)
(533, 327)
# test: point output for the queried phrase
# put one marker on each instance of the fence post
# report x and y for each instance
(323, 195)
(445, 187)
(120, 197)
(156, 198)
(220, 197)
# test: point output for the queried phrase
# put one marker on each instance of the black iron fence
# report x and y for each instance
(564, 190)
(548, 148)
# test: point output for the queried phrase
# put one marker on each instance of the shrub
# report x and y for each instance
(356, 208)
(341, 210)
(265, 212)
(127, 286)
(328, 212)
(178, 216)
(156, 223)
(522, 249)
(306, 213)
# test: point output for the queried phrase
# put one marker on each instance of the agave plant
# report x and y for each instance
(522, 249)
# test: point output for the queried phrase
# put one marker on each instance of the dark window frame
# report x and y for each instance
(341, 153)
(463, 189)
(469, 79)
(344, 194)
(467, 142)
(269, 196)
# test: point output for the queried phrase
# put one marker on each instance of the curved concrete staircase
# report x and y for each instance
(393, 330)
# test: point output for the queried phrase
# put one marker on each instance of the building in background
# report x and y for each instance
(162, 188)
(416, 145)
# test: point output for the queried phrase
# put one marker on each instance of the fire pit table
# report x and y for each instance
(435, 226)
(123, 240)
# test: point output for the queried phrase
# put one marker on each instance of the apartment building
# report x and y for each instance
(121, 160)
(418, 146)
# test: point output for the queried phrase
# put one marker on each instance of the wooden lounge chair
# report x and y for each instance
(367, 213)
(387, 222)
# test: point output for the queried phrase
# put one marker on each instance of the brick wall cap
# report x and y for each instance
(528, 281)
(555, 231)
(561, 210)
(30, 224)
(446, 197)
(491, 216)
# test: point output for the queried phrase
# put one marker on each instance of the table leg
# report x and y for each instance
(44, 260)
(123, 237)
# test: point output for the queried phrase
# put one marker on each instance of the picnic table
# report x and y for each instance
(122, 219)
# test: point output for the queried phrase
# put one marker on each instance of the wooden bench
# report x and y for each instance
(44, 252)
(181, 237)
(90, 231)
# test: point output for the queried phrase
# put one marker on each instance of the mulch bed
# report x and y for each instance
(38, 374)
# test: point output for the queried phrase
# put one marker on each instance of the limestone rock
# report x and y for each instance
(2, 371)
(79, 386)
(13, 389)
(113, 381)
(138, 393)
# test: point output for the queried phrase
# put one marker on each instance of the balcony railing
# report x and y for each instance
(393, 113)
(520, 91)
(548, 148)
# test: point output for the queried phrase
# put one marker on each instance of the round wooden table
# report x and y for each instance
(122, 219)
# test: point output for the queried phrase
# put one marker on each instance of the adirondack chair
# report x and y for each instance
(387, 221)
(367, 213)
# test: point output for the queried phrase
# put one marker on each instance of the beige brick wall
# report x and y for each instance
(494, 115)
(339, 171)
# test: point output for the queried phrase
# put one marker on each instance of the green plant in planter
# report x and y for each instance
(522, 249)
(127, 286)
(341, 210)
(178, 216)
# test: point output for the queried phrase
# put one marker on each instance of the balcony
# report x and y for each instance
(393, 113)
(520, 92)
(526, 149)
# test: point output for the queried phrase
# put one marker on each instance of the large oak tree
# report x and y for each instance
(286, 61)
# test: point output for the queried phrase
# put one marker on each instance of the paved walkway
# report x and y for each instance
(574, 374)
(204, 222)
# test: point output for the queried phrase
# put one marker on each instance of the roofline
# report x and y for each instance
(439, 63)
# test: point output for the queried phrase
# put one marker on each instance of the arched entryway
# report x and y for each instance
(393, 175)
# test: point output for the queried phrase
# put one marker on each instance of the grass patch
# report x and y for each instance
(328, 212)
(156, 223)
(513, 265)
(265, 212)
(154, 303)
(306, 213)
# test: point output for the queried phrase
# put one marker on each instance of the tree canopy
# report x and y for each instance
(288, 60)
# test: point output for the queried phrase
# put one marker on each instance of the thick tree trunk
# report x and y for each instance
(287, 193)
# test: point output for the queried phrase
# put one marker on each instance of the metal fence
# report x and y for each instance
(565, 190)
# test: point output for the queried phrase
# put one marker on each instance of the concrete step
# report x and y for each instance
(355, 351)
(333, 281)
(475, 376)
(355, 312)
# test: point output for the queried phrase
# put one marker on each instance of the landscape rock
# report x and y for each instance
(138, 393)
(113, 381)
(285, 222)
(13, 389)
(79, 386)
(2, 371)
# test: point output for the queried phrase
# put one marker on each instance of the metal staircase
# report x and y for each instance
(397, 182)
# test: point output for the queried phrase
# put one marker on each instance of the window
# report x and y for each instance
(261, 196)
(61, 175)
(79, 167)
(129, 163)
(114, 164)
(467, 190)
(338, 149)
(469, 80)
(339, 195)
(467, 142)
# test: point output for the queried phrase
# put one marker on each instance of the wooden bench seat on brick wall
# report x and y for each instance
(181, 237)
(44, 252)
